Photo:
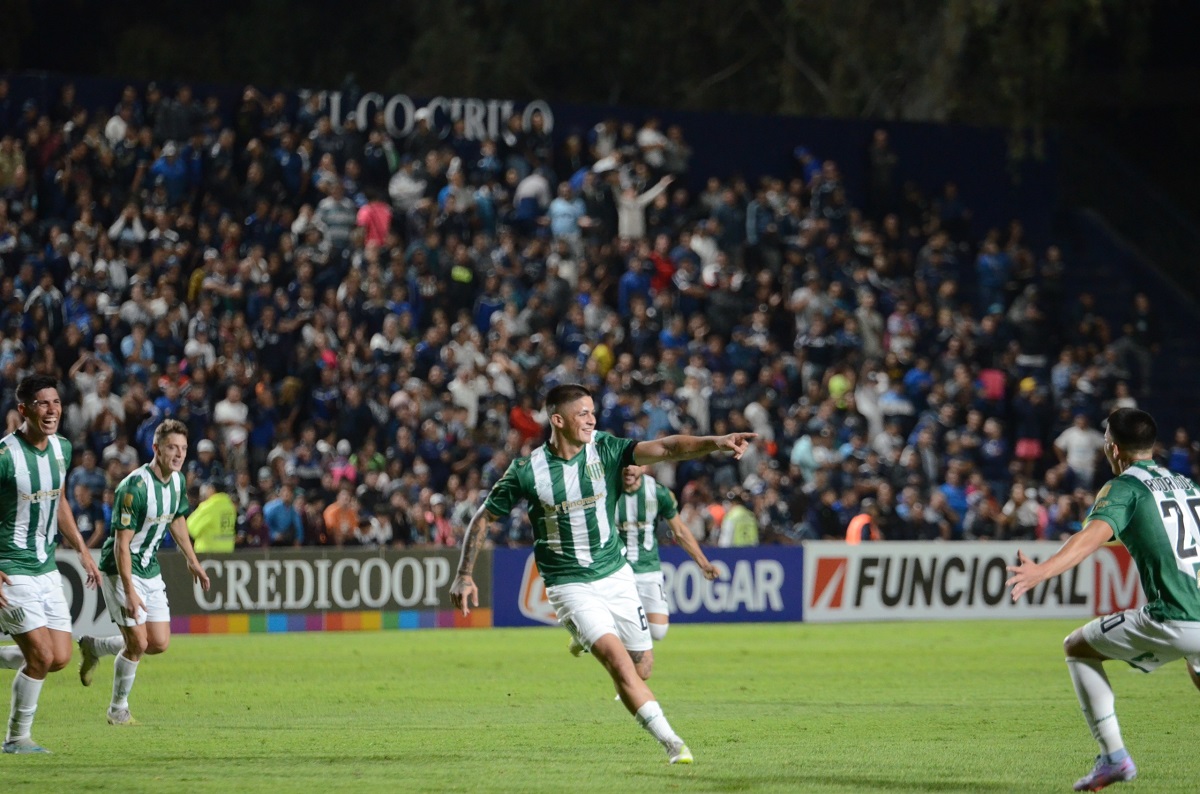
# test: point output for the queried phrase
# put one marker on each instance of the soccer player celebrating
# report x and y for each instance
(643, 502)
(572, 483)
(148, 503)
(1154, 513)
(33, 509)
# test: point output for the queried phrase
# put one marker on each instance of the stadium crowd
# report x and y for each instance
(358, 330)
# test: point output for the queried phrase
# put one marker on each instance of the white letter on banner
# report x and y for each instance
(362, 112)
(716, 592)
(494, 121)
(237, 594)
(268, 598)
(768, 581)
(689, 602)
(293, 570)
(389, 115)
(474, 119)
(213, 569)
(364, 582)
(436, 104)
(741, 590)
(437, 574)
(335, 109)
(414, 565)
(322, 566)
(335, 583)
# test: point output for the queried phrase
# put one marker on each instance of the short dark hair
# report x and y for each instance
(28, 388)
(564, 394)
(1132, 429)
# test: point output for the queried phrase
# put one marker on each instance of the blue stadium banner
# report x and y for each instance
(756, 585)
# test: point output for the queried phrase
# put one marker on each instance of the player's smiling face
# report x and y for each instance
(172, 450)
(579, 420)
(632, 478)
(44, 411)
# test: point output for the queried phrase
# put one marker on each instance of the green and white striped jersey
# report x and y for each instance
(145, 506)
(1156, 514)
(637, 518)
(571, 504)
(30, 484)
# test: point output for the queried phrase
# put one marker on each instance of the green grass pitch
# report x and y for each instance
(905, 707)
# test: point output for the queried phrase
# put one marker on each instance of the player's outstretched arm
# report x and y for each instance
(689, 447)
(1029, 574)
(687, 541)
(463, 592)
(179, 531)
(70, 532)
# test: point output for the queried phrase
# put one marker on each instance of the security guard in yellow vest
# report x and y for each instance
(213, 525)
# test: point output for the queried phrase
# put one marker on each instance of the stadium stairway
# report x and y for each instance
(1104, 262)
(1120, 235)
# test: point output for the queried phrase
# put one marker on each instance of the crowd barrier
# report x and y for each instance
(948, 581)
(759, 584)
(278, 590)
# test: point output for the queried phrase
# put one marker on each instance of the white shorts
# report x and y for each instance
(34, 602)
(651, 592)
(1141, 641)
(153, 593)
(589, 610)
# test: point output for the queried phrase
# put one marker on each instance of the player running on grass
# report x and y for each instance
(33, 509)
(148, 503)
(1156, 514)
(642, 503)
(572, 483)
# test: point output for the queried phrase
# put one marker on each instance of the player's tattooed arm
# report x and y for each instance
(473, 541)
(463, 592)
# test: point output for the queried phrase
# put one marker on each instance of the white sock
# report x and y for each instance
(650, 716)
(658, 631)
(124, 672)
(11, 657)
(25, 691)
(1096, 697)
(108, 646)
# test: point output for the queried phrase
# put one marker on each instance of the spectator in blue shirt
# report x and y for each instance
(992, 268)
(284, 525)
(173, 171)
(565, 213)
(634, 282)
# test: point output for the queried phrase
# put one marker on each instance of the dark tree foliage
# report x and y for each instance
(1015, 62)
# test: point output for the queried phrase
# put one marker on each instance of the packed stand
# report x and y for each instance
(358, 330)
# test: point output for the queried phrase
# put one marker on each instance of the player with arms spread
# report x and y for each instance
(642, 503)
(571, 484)
(1156, 514)
(33, 510)
(148, 503)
